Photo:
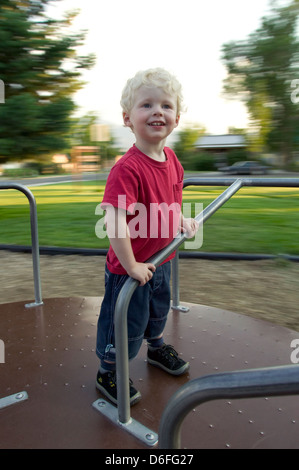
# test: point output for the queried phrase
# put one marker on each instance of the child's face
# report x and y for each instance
(153, 115)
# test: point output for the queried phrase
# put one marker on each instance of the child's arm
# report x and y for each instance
(119, 238)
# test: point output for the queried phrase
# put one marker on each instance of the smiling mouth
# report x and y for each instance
(156, 123)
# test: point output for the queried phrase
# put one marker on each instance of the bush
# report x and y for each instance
(32, 169)
(198, 161)
(46, 168)
(19, 172)
(51, 169)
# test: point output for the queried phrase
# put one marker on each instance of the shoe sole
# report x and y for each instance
(176, 372)
(133, 400)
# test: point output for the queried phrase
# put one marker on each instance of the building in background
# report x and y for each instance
(219, 146)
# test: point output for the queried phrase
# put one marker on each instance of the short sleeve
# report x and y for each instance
(121, 188)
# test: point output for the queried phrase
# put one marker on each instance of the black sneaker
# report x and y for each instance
(106, 383)
(167, 359)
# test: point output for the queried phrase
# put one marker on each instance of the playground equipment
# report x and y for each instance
(48, 398)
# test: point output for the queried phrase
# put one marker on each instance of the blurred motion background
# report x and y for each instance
(62, 71)
(63, 65)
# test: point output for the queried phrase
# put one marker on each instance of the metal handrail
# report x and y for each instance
(251, 383)
(222, 181)
(124, 298)
(34, 240)
(125, 295)
(257, 182)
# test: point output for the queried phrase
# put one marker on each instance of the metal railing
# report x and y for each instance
(257, 182)
(125, 295)
(34, 240)
(271, 381)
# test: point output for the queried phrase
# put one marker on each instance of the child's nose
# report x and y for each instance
(158, 110)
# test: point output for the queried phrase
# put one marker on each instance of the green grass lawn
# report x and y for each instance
(255, 220)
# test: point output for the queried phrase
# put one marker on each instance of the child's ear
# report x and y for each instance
(126, 119)
(177, 120)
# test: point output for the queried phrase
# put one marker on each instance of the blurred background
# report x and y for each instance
(63, 64)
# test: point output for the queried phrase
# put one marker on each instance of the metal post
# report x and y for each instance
(176, 286)
(122, 354)
(34, 240)
(201, 218)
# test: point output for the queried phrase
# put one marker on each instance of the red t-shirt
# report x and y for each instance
(151, 193)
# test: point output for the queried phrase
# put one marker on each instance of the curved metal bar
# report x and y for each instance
(124, 298)
(121, 346)
(125, 295)
(258, 182)
(34, 239)
(272, 381)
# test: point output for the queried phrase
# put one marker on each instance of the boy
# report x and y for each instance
(149, 179)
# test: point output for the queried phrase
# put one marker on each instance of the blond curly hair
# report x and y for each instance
(154, 77)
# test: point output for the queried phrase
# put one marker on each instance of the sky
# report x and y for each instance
(183, 36)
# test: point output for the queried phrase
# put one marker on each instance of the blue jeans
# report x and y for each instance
(147, 312)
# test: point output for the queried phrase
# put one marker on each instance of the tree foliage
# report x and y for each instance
(41, 70)
(184, 146)
(261, 70)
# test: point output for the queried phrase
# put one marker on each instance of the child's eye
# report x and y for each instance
(146, 105)
(166, 106)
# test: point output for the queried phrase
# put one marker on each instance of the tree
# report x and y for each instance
(41, 70)
(261, 71)
(185, 144)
